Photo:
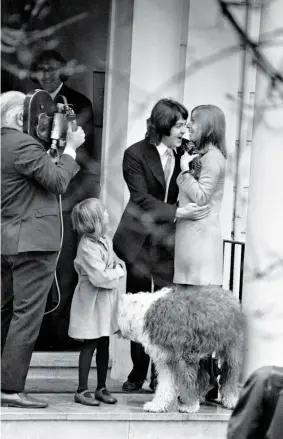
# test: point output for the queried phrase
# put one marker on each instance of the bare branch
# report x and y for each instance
(35, 35)
(260, 60)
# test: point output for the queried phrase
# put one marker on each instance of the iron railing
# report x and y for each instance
(234, 255)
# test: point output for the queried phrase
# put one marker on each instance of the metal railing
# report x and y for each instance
(233, 271)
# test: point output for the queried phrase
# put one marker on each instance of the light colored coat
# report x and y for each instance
(199, 244)
(94, 309)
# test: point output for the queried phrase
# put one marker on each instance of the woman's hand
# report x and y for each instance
(186, 159)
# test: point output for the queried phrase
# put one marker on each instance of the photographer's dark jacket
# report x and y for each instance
(146, 214)
(30, 183)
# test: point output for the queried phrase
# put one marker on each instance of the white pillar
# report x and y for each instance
(157, 61)
(263, 279)
(116, 103)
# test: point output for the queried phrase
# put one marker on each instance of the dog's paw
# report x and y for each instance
(193, 408)
(230, 401)
(151, 406)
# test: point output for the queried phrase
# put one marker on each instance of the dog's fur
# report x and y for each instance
(179, 327)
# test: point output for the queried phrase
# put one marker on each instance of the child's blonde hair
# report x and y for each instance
(87, 217)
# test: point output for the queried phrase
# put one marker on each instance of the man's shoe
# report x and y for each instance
(104, 396)
(129, 387)
(86, 398)
(152, 387)
(212, 394)
(153, 384)
(21, 400)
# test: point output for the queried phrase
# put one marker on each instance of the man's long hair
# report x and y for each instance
(164, 116)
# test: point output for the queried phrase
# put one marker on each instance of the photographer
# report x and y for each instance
(30, 240)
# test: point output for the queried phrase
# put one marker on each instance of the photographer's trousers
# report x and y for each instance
(26, 279)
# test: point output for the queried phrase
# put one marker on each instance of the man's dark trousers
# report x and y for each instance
(152, 264)
(26, 279)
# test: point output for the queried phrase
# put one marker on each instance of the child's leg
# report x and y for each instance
(86, 354)
(102, 359)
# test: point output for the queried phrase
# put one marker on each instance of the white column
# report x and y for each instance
(156, 69)
(263, 280)
(116, 104)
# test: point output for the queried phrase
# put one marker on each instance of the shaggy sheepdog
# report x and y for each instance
(179, 327)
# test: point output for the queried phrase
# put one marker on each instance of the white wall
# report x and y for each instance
(263, 280)
(209, 79)
(154, 60)
(219, 71)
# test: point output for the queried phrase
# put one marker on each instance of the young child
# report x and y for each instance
(95, 302)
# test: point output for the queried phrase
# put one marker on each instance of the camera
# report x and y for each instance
(47, 120)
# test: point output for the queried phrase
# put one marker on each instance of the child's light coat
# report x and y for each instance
(95, 302)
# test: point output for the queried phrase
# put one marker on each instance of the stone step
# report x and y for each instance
(58, 372)
(62, 360)
(124, 420)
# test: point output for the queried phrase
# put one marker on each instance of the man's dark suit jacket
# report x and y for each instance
(146, 213)
(30, 183)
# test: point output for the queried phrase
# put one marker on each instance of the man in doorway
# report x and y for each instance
(30, 233)
(145, 236)
(49, 71)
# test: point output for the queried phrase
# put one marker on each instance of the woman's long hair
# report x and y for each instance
(213, 127)
(164, 116)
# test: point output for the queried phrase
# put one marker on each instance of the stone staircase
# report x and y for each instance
(53, 377)
(57, 372)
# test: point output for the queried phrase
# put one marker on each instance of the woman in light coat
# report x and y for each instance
(94, 306)
(199, 244)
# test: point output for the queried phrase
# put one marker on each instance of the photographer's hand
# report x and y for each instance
(192, 211)
(75, 138)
